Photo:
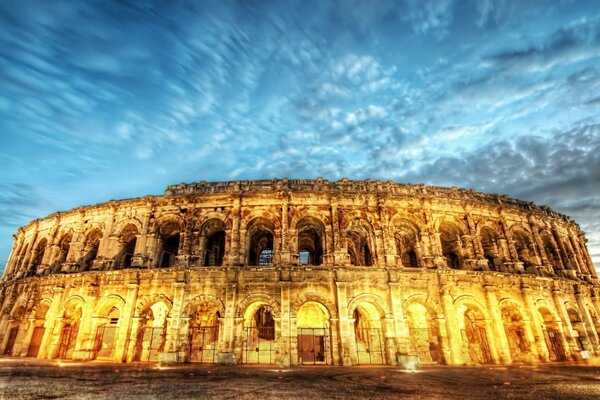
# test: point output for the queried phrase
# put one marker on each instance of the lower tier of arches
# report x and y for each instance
(284, 316)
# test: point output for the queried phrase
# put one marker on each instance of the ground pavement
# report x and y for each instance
(34, 379)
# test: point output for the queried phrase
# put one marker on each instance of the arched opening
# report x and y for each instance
(450, 236)
(514, 327)
(357, 241)
(552, 254)
(489, 242)
(127, 241)
(424, 332)
(22, 258)
(203, 333)
(38, 256)
(310, 241)
(406, 238)
(106, 334)
(524, 247)
(39, 328)
(368, 335)
(90, 249)
(260, 239)
(16, 318)
(554, 339)
(594, 318)
(69, 331)
(213, 236)
(152, 332)
(580, 334)
(169, 233)
(64, 245)
(259, 332)
(474, 334)
(313, 334)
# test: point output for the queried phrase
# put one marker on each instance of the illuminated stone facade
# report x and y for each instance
(303, 272)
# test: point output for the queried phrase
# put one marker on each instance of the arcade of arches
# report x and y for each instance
(303, 272)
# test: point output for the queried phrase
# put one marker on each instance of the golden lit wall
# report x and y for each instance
(303, 272)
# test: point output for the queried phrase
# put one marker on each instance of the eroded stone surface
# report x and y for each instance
(290, 272)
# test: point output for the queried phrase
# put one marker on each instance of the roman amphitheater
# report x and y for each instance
(291, 272)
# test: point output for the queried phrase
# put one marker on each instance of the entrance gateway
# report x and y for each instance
(313, 336)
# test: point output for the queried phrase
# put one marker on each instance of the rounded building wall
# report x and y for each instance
(303, 271)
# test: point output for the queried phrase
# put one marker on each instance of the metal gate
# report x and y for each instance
(553, 338)
(259, 345)
(369, 346)
(67, 340)
(105, 341)
(485, 346)
(203, 342)
(313, 346)
(12, 336)
(149, 344)
(36, 341)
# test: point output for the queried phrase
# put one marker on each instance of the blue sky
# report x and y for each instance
(109, 100)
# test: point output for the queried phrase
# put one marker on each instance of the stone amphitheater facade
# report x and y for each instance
(303, 272)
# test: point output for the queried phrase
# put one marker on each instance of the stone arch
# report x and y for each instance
(65, 239)
(473, 321)
(301, 213)
(257, 298)
(415, 222)
(552, 251)
(213, 239)
(147, 301)
(168, 230)
(516, 328)
(489, 237)
(71, 313)
(451, 243)
(360, 241)
(122, 224)
(90, 248)
(407, 236)
(425, 330)
(272, 218)
(203, 298)
(107, 302)
(39, 254)
(311, 245)
(553, 336)
(381, 305)
(317, 298)
(431, 304)
(72, 300)
(126, 245)
(576, 321)
(261, 249)
(524, 245)
(152, 314)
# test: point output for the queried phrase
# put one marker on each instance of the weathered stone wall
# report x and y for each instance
(289, 272)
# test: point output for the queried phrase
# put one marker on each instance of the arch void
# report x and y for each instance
(310, 240)
(261, 235)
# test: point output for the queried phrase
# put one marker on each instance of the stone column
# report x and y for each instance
(454, 335)
(402, 344)
(232, 336)
(499, 334)
(589, 324)
(171, 352)
(346, 333)
(84, 343)
(124, 338)
(565, 323)
(285, 254)
(52, 325)
(285, 324)
(539, 339)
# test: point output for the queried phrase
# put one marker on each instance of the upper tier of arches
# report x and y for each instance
(319, 228)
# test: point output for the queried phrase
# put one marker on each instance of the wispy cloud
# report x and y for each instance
(113, 100)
